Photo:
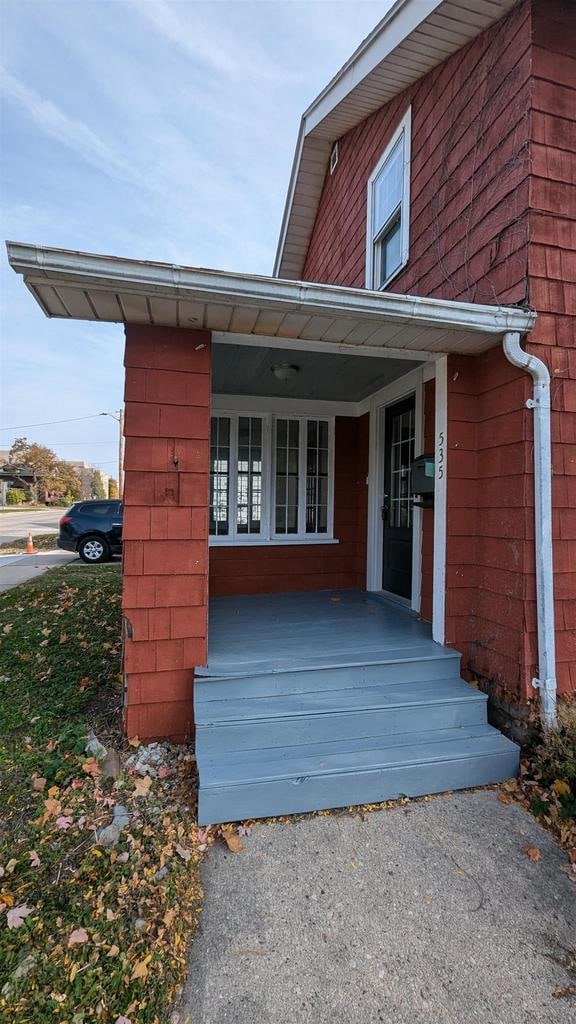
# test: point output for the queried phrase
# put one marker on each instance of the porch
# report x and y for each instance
(333, 698)
(299, 361)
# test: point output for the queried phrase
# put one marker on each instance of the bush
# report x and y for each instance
(15, 496)
(555, 759)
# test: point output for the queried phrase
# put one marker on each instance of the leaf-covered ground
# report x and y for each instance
(42, 542)
(87, 932)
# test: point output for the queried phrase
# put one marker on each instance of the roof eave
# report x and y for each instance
(47, 266)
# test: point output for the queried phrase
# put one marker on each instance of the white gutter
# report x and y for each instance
(47, 266)
(540, 404)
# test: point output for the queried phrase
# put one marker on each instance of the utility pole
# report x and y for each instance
(119, 417)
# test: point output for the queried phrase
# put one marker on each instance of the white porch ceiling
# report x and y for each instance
(413, 37)
(247, 370)
(87, 286)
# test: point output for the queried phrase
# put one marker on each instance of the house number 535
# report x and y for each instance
(441, 455)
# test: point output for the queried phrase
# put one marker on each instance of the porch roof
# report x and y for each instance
(88, 286)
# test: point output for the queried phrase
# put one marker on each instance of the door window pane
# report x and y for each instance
(401, 455)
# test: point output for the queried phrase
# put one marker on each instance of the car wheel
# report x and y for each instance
(94, 550)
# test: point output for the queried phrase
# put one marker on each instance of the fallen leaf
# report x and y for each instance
(163, 771)
(34, 859)
(91, 767)
(122, 1020)
(505, 798)
(560, 787)
(77, 938)
(134, 742)
(11, 865)
(169, 918)
(532, 852)
(51, 745)
(140, 970)
(186, 854)
(232, 839)
(8, 627)
(38, 784)
(15, 917)
(64, 821)
(73, 972)
(84, 683)
(53, 791)
(113, 951)
(142, 786)
(53, 807)
(123, 857)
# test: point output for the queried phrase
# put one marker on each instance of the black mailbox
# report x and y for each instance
(423, 480)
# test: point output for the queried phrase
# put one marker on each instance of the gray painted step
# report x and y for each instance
(324, 715)
(291, 780)
(399, 666)
(332, 698)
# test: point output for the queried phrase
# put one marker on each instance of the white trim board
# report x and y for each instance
(298, 406)
(340, 348)
(440, 503)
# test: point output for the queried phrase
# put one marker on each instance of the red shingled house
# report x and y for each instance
(423, 303)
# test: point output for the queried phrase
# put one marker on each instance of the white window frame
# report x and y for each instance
(403, 131)
(268, 535)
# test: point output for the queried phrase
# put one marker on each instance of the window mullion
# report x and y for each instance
(303, 437)
(233, 485)
(331, 445)
(268, 478)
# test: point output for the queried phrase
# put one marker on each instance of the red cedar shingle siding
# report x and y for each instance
(552, 286)
(492, 219)
(266, 570)
(469, 177)
(165, 528)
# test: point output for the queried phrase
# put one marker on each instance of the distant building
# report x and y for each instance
(85, 471)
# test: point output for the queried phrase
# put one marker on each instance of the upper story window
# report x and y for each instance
(388, 219)
(271, 478)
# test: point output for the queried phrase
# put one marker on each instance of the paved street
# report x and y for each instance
(431, 913)
(17, 524)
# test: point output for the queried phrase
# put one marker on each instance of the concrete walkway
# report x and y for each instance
(426, 914)
(17, 569)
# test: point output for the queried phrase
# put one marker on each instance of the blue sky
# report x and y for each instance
(156, 129)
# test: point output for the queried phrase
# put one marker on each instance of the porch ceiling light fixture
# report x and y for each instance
(285, 371)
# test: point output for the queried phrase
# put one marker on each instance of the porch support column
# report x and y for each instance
(165, 529)
(441, 460)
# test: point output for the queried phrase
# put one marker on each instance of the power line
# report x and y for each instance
(49, 423)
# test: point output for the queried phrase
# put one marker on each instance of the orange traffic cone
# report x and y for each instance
(30, 550)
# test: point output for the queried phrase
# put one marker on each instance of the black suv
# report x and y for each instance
(93, 529)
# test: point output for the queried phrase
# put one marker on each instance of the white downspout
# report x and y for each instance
(540, 404)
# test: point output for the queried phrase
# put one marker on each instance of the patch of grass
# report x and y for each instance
(42, 542)
(87, 933)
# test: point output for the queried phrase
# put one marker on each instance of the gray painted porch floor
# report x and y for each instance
(325, 628)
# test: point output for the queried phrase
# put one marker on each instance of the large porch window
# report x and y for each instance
(271, 478)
